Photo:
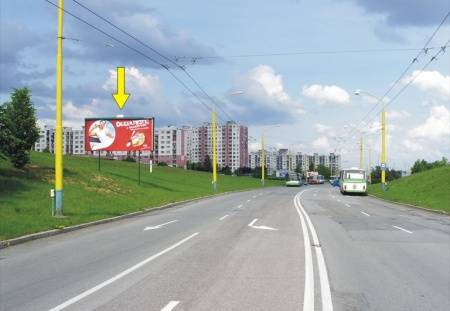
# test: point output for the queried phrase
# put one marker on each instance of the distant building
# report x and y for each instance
(254, 160)
(232, 144)
(171, 146)
(73, 140)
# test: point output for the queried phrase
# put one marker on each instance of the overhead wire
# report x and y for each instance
(305, 52)
(183, 68)
(424, 51)
(136, 51)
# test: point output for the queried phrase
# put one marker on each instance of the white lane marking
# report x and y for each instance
(254, 197)
(248, 200)
(315, 194)
(120, 275)
(364, 213)
(223, 217)
(308, 295)
(403, 229)
(339, 200)
(346, 204)
(172, 304)
(159, 226)
(239, 206)
(325, 292)
(252, 225)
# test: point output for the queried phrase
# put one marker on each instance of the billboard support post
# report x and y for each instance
(139, 167)
(99, 160)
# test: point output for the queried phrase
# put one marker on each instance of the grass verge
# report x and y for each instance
(429, 189)
(89, 194)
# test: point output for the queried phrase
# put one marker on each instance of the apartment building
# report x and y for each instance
(73, 140)
(232, 144)
(171, 145)
(254, 160)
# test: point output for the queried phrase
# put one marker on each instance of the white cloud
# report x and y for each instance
(321, 128)
(436, 126)
(430, 81)
(412, 145)
(326, 94)
(402, 114)
(264, 99)
(321, 143)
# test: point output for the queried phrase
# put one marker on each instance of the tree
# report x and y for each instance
(311, 167)
(18, 127)
(422, 165)
(298, 168)
(207, 165)
(244, 171)
(391, 174)
(226, 170)
(324, 171)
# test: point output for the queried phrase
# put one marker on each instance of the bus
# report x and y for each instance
(353, 181)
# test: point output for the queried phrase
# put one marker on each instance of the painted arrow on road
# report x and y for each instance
(159, 226)
(252, 225)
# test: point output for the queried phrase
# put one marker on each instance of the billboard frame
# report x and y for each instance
(139, 151)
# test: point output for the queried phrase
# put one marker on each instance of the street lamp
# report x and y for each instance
(214, 141)
(263, 154)
(383, 135)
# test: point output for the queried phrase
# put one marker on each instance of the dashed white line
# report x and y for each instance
(239, 206)
(254, 197)
(339, 200)
(348, 205)
(170, 305)
(120, 275)
(364, 213)
(248, 200)
(403, 229)
(223, 217)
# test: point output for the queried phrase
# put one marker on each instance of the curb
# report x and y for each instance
(411, 205)
(48, 233)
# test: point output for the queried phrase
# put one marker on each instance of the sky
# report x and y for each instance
(294, 64)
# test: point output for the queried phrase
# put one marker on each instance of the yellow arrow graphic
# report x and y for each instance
(121, 97)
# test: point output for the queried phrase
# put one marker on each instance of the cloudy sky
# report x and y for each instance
(297, 62)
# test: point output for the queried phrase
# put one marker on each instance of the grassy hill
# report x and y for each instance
(430, 189)
(25, 205)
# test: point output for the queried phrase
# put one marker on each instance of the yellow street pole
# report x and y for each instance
(370, 165)
(263, 160)
(214, 149)
(58, 128)
(383, 147)
(361, 153)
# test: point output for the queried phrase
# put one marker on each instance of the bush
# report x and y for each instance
(129, 159)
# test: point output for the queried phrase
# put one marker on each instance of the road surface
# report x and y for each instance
(307, 248)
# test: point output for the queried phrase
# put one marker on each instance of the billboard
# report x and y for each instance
(118, 134)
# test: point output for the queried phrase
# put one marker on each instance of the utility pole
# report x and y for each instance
(361, 153)
(383, 136)
(58, 128)
(214, 149)
(370, 165)
(383, 147)
(263, 160)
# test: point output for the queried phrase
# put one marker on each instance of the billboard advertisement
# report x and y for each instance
(118, 134)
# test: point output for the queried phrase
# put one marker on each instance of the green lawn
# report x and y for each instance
(429, 189)
(25, 205)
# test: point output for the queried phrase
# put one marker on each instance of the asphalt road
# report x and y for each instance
(307, 248)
